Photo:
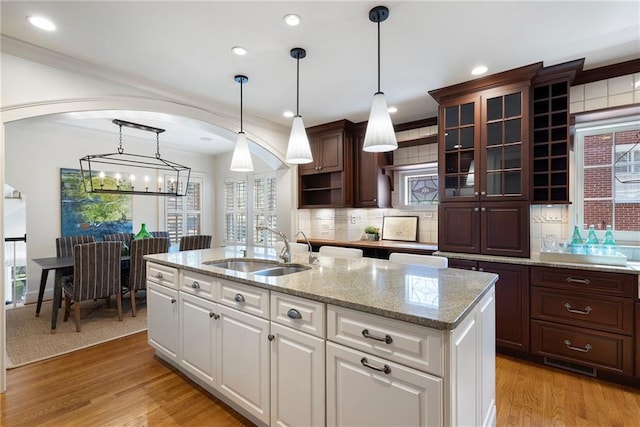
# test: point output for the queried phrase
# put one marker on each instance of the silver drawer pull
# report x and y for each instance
(570, 309)
(387, 338)
(294, 314)
(386, 369)
(215, 316)
(576, 280)
(158, 275)
(239, 298)
(195, 285)
(582, 350)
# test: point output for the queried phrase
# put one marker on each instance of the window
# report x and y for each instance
(608, 176)
(419, 187)
(184, 214)
(250, 201)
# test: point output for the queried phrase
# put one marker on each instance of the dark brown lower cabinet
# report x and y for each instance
(512, 301)
(585, 318)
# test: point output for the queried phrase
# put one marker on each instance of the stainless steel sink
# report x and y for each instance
(243, 265)
(281, 271)
(261, 267)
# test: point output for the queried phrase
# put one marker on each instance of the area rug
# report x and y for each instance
(29, 338)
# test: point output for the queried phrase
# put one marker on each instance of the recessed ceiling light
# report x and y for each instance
(288, 114)
(480, 69)
(42, 23)
(292, 19)
(239, 50)
(392, 109)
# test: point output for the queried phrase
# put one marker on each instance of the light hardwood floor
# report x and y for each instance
(122, 383)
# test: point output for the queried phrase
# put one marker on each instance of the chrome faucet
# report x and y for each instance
(285, 254)
(312, 257)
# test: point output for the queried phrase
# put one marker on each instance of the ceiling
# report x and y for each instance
(182, 49)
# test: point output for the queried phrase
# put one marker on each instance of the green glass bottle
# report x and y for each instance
(143, 233)
(577, 246)
(592, 241)
(609, 243)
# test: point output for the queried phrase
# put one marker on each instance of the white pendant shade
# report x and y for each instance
(298, 151)
(380, 135)
(241, 160)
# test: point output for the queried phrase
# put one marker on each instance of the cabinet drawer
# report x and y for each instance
(600, 350)
(298, 313)
(612, 284)
(199, 284)
(249, 299)
(162, 275)
(411, 345)
(600, 312)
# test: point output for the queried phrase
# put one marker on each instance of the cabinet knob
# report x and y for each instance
(195, 285)
(473, 268)
(475, 193)
(476, 210)
(375, 200)
(483, 209)
(271, 337)
(158, 275)
(173, 300)
(483, 193)
(239, 298)
(294, 314)
(215, 316)
(481, 269)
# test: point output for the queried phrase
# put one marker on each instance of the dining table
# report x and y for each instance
(60, 265)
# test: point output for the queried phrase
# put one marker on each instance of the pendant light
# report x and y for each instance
(298, 150)
(241, 160)
(379, 136)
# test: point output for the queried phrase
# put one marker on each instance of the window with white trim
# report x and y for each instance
(184, 214)
(250, 201)
(608, 176)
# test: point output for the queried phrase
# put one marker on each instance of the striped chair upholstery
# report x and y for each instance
(189, 243)
(164, 234)
(119, 237)
(96, 274)
(64, 245)
(137, 279)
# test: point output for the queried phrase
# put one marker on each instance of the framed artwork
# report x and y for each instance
(403, 228)
(91, 214)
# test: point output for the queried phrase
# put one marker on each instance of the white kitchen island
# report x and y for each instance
(349, 342)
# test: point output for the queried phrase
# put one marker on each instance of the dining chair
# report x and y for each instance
(340, 252)
(137, 278)
(415, 259)
(96, 274)
(200, 241)
(64, 248)
(164, 234)
(119, 237)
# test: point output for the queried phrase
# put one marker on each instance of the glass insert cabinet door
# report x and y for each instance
(459, 168)
(503, 135)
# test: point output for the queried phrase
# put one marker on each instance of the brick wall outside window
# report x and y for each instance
(599, 206)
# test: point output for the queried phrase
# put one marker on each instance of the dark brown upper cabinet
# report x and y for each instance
(372, 185)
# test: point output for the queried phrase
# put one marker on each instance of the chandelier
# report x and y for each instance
(125, 173)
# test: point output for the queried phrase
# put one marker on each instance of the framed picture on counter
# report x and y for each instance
(403, 228)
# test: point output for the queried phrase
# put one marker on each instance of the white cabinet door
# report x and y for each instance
(361, 393)
(162, 319)
(243, 361)
(198, 334)
(297, 378)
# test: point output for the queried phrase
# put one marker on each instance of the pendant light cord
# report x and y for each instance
(298, 85)
(241, 131)
(378, 55)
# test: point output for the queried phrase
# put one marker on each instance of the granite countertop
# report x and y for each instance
(435, 298)
(630, 268)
